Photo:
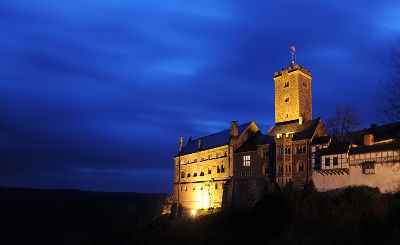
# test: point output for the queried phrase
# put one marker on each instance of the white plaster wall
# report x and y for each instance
(386, 178)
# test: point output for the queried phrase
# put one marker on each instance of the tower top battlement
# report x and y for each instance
(296, 67)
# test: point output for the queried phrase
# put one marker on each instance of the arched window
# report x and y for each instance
(300, 166)
(182, 175)
(281, 168)
(218, 169)
(216, 186)
(265, 169)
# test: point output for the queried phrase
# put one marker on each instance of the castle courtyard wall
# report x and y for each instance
(386, 178)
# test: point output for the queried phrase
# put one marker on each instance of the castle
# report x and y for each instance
(235, 167)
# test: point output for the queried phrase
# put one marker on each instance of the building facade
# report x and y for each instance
(234, 168)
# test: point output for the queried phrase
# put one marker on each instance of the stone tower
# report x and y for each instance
(293, 100)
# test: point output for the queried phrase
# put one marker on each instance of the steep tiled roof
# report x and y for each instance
(375, 148)
(321, 140)
(303, 131)
(381, 133)
(267, 139)
(212, 140)
(336, 148)
(251, 143)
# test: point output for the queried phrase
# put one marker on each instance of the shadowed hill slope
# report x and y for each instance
(29, 216)
(351, 216)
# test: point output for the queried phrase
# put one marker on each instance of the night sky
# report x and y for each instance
(95, 94)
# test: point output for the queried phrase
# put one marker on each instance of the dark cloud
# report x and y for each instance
(95, 94)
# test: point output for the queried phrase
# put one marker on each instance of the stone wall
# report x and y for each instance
(386, 178)
(202, 189)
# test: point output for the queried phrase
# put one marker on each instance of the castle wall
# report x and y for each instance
(200, 177)
(250, 182)
(386, 178)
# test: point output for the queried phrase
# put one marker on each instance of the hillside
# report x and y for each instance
(29, 216)
(352, 216)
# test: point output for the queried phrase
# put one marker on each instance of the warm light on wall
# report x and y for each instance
(193, 212)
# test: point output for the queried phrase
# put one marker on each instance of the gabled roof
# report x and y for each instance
(321, 140)
(212, 140)
(251, 143)
(267, 139)
(336, 148)
(303, 131)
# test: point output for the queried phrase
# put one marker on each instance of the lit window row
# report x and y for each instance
(220, 169)
(209, 157)
(216, 186)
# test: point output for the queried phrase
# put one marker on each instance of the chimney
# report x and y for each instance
(234, 132)
(199, 145)
(368, 139)
(180, 144)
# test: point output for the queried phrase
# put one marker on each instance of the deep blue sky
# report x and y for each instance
(95, 94)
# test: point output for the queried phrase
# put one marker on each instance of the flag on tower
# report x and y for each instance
(293, 48)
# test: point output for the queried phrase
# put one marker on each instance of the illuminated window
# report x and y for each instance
(182, 162)
(246, 161)
(209, 157)
(218, 155)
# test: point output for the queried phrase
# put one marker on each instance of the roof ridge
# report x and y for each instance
(220, 131)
